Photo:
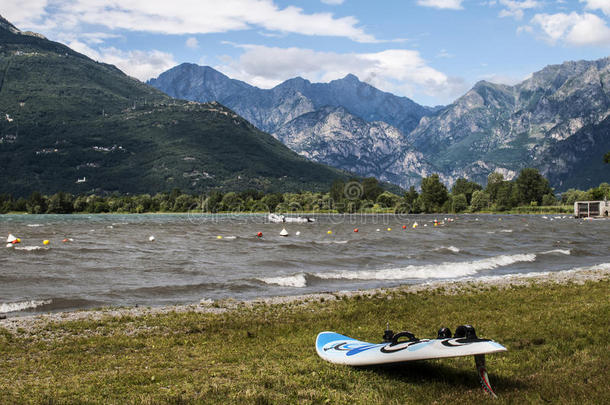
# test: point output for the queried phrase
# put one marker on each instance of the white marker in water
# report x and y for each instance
(151, 238)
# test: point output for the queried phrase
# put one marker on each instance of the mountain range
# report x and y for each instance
(68, 123)
(555, 121)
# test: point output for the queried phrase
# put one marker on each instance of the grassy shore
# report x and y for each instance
(232, 352)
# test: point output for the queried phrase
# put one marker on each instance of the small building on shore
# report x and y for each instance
(591, 209)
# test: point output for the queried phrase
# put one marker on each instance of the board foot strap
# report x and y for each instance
(479, 360)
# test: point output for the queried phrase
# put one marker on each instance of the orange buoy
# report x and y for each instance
(260, 234)
(404, 227)
(356, 230)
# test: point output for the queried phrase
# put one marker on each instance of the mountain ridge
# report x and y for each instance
(492, 127)
(68, 123)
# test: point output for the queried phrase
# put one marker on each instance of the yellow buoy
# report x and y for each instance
(45, 242)
(330, 232)
(219, 237)
(389, 229)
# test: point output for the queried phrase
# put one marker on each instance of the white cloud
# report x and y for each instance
(503, 78)
(573, 29)
(332, 2)
(24, 10)
(399, 71)
(182, 17)
(603, 5)
(515, 8)
(139, 64)
(443, 53)
(450, 4)
(191, 42)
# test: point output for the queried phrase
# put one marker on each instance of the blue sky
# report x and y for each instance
(429, 50)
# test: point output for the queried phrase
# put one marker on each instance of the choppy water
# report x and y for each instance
(112, 262)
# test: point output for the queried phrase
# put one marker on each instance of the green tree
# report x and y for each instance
(480, 201)
(409, 203)
(60, 203)
(337, 192)
(371, 189)
(494, 181)
(271, 201)
(506, 196)
(466, 187)
(6, 203)
(599, 193)
(387, 199)
(184, 203)
(212, 203)
(459, 203)
(37, 203)
(531, 186)
(433, 194)
(548, 200)
(607, 157)
(232, 202)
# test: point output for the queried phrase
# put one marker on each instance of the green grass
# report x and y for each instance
(557, 336)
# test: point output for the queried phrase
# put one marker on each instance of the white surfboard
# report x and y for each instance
(340, 349)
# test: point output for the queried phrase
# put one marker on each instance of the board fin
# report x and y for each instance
(479, 360)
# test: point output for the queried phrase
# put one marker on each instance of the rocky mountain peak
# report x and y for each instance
(6, 25)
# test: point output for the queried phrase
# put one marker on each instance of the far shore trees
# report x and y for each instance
(528, 192)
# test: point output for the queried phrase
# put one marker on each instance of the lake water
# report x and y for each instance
(110, 260)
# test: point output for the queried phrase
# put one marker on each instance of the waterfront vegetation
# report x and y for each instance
(555, 334)
(527, 193)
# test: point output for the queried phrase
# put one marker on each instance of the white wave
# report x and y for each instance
(450, 248)
(328, 242)
(443, 270)
(507, 230)
(297, 280)
(34, 225)
(230, 237)
(561, 251)
(601, 266)
(28, 248)
(20, 306)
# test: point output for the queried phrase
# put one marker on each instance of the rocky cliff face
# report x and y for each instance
(506, 128)
(347, 123)
(374, 149)
(554, 121)
(270, 109)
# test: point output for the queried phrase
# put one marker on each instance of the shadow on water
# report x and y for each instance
(417, 372)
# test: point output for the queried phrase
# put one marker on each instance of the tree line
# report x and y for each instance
(529, 190)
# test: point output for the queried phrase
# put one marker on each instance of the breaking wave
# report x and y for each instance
(428, 271)
(297, 280)
(560, 251)
(23, 305)
(443, 270)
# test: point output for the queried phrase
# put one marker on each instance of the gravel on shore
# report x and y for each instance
(30, 324)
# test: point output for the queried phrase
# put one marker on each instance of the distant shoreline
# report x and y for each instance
(304, 213)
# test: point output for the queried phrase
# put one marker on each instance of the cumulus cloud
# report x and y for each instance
(332, 2)
(573, 29)
(139, 64)
(603, 5)
(399, 71)
(515, 8)
(183, 17)
(449, 4)
(191, 42)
